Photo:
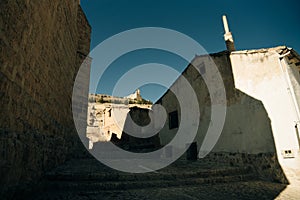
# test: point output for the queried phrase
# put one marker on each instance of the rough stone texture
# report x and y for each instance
(256, 73)
(42, 44)
(247, 126)
(248, 135)
(236, 191)
(203, 179)
(266, 165)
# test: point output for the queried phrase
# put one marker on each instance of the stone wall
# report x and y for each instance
(137, 124)
(266, 165)
(247, 135)
(42, 44)
(247, 125)
(263, 75)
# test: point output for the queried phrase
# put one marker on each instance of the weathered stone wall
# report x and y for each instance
(42, 44)
(247, 126)
(266, 165)
(141, 118)
(246, 137)
(263, 75)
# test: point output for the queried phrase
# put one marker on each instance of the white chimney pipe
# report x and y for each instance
(228, 36)
(225, 23)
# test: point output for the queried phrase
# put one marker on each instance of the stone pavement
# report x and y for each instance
(87, 179)
(291, 169)
(236, 190)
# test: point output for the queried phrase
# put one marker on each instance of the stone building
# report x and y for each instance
(262, 106)
(42, 45)
(41, 53)
(107, 115)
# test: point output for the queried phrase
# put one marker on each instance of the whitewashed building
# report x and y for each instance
(262, 118)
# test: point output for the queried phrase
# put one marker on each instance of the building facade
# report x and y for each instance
(107, 115)
(262, 104)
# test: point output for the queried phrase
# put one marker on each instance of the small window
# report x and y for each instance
(173, 120)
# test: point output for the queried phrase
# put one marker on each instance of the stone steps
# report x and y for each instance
(115, 176)
(89, 186)
(86, 178)
(90, 176)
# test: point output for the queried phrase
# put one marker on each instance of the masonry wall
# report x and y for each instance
(42, 46)
(267, 77)
(260, 115)
(247, 126)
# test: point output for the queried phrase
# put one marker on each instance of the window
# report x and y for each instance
(173, 119)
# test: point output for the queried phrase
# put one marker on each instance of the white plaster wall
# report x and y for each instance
(247, 128)
(259, 108)
(260, 75)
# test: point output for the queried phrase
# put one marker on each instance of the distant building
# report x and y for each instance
(107, 115)
(135, 96)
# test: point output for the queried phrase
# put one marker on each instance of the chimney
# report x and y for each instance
(228, 36)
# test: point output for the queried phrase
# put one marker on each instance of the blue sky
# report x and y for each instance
(254, 24)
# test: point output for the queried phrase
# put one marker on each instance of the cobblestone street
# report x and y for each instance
(87, 179)
(238, 190)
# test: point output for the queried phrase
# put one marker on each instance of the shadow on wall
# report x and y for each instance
(139, 116)
(37, 131)
(246, 138)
